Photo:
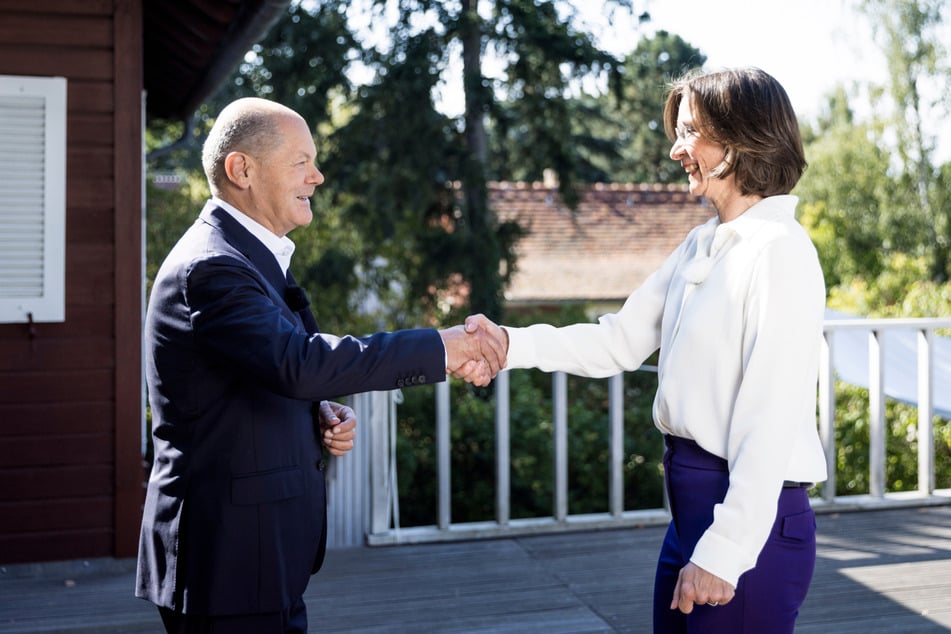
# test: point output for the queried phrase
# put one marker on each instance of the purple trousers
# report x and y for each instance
(767, 597)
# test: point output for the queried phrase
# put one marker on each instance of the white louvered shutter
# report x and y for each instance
(32, 198)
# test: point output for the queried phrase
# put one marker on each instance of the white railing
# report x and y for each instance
(367, 494)
(876, 329)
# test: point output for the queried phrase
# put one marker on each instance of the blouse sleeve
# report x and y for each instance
(618, 342)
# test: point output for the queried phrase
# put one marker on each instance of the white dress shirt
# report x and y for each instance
(737, 313)
(281, 246)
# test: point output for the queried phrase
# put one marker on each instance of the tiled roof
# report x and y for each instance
(603, 250)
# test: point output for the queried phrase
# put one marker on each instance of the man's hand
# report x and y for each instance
(476, 351)
(696, 586)
(337, 427)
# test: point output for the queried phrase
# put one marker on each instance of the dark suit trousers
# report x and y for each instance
(767, 597)
(290, 621)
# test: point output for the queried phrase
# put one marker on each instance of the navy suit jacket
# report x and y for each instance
(234, 514)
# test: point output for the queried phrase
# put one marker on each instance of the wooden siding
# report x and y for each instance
(70, 393)
(128, 214)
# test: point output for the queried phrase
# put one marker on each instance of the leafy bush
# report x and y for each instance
(473, 454)
(901, 444)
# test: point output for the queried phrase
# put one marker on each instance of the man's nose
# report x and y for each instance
(318, 177)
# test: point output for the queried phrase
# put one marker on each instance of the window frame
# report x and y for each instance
(46, 302)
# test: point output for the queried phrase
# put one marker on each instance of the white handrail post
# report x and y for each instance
(560, 431)
(373, 411)
(876, 418)
(616, 421)
(442, 454)
(925, 411)
(503, 488)
(827, 412)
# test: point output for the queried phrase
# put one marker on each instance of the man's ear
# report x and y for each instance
(238, 168)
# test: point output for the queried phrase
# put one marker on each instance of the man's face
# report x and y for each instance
(283, 180)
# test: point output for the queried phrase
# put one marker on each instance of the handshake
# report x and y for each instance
(476, 350)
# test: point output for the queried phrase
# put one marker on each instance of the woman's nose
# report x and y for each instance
(676, 150)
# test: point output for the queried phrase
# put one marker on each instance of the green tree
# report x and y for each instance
(846, 196)
(412, 178)
(648, 70)
(617, 136)
(540, 123)
(912, 39)
(877, 209)
(170, 211)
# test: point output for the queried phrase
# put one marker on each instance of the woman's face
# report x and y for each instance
(699, 156)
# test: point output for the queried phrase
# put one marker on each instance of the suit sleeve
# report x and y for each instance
(236, 319)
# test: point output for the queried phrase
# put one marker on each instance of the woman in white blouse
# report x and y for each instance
(736, 312)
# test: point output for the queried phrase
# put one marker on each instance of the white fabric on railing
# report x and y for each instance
(850, 361)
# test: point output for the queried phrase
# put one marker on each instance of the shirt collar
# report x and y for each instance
(281, 247)
(770, 208)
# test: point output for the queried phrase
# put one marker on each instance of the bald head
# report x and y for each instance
(248, 125)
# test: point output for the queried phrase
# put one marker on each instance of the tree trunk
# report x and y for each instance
(483, 243)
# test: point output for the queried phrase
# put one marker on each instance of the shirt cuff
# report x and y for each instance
(721, 557)
(521, 348)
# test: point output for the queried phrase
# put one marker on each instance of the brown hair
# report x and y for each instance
(749, 113)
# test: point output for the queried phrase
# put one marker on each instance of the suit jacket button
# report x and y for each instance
(320, 465)
(399, 382)
(422, 379)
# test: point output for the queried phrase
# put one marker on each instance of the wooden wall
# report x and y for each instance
(70, 393)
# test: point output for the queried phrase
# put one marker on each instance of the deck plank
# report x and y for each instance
(877, 572)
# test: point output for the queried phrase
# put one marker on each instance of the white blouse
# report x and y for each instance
(737, 313)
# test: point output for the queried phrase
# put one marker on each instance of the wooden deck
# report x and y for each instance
(877, 572)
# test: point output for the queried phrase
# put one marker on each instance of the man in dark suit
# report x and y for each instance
(234, 519)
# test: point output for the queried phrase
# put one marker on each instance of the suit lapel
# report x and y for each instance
(260, 257)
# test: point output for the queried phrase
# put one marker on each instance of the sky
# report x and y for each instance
(809, 46)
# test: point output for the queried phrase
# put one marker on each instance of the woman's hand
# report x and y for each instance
(696, 586)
